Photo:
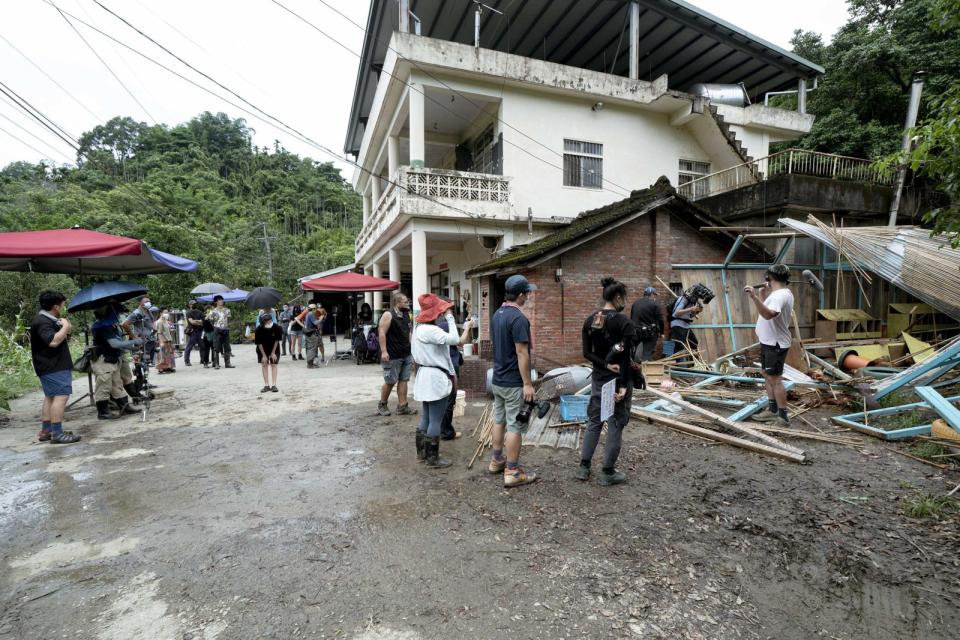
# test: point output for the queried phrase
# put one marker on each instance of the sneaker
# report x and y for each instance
(583, 473)
(609, 479)
(764, 416)
(265, 389)
(64, 437)
(497, 466)
(782, 422)
(405, 410)
(274, 389)
(187, 364)
(518, 477)
(383, 409)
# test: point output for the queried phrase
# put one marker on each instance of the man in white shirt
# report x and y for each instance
(773, 331)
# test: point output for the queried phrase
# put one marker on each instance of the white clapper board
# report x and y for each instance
(607, 392)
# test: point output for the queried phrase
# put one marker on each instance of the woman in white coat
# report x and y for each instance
(431, 351)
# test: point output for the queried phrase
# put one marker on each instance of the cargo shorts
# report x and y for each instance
(398, 369)
(507, 402)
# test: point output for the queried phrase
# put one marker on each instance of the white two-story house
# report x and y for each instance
(478, 131)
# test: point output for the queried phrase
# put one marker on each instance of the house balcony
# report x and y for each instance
(434, 193)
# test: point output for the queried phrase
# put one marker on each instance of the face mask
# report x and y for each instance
(145, 303)
(268, 324)
(619, 306)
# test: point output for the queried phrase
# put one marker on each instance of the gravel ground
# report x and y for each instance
(234, 514)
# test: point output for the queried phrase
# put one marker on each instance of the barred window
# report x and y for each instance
(690, 170)
(582, 164)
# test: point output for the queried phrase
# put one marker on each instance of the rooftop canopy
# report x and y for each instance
(676, 38)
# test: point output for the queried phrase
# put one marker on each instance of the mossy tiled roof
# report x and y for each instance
(589, 221)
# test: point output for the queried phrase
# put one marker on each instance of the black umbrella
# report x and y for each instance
(263, 298)
(101, 293)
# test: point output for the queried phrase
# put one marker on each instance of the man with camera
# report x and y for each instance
(193, 330)
(773, 332)
(49, 336)
(141, 324)
(107, 367)
(685, 309)
(512, 384)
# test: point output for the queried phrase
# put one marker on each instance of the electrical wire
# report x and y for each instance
(266, 118)
(50, 78)
(26, 144)
(103, 62)
(34, 136)
(625, 191)
(35, 113)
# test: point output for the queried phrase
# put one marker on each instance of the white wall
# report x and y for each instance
(756, 142)
(639, 146)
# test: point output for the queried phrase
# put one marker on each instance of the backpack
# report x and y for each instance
(373, 343)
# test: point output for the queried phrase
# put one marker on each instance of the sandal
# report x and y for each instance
(44, 435)
(265, 389)
(274, 389)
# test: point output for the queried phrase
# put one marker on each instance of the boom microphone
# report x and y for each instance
(812, 279)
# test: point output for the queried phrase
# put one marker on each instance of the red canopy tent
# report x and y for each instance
(84, 252)
(348, 281)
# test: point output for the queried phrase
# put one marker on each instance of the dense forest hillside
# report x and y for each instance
(199, 189)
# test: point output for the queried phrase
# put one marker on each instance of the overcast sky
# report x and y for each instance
(252, 46)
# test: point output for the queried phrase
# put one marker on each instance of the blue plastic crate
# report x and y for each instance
(573, 408)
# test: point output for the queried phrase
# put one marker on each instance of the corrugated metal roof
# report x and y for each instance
(676, 38)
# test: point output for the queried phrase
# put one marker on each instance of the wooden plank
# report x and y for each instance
(737, 427)
(719, 437)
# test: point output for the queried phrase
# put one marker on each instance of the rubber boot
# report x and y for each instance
(434, 461)
(126, 409)
(421, 447)
(103, 410)
(131, 390)
(216, 360)
(226, 362)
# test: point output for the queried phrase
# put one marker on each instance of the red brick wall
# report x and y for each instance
(633, 253)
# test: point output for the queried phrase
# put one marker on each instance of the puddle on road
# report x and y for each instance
(22, 496)
(66, 553)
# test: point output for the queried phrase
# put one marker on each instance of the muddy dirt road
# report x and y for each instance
(231, 514)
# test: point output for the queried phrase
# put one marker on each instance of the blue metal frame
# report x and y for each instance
(756, 405)
(940, 404)
(939, 364)
(851, 420)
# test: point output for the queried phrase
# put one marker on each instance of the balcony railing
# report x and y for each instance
(791, 161)
(424, 191)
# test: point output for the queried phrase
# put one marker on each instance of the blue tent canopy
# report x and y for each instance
(237, 295)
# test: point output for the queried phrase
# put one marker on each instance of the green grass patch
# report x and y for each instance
(927, 450)
(897, 398)
(928, 506)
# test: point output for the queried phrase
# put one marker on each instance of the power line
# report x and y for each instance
(285, 128)
(50, 78)
(38, 115)
(446, 86)
(26, 144)
(103, 62)
(34, 136)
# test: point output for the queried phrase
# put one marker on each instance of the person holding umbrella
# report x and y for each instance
(109, 347)
(220, 317)
(267, 339)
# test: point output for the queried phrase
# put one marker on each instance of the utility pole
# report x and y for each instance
(266, 241)
(916, 88)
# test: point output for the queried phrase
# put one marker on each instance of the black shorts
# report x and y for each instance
(772, 359)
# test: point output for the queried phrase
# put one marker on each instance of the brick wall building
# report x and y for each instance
(633, 240)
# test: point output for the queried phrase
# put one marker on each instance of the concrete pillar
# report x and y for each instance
(377, 295)
(802, 95)
(404, 16)
(418, 149)
(374, 193)
(421, 284)
(394, 262)
(366, 209)
(634, 40)
(393, 156)
(368, 295)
